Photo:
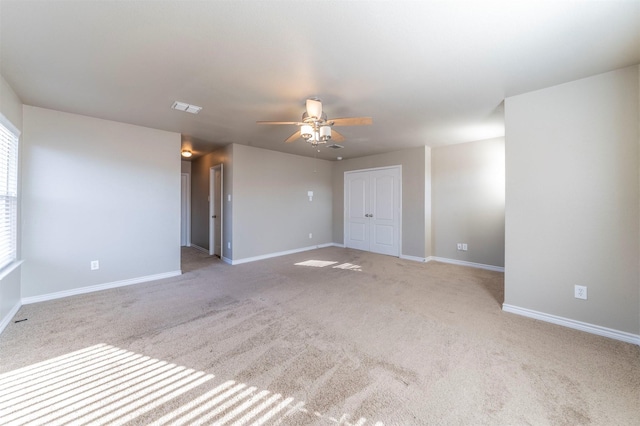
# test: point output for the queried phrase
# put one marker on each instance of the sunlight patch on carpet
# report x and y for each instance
(323, 263)
(349, 266)
(316, 263)
(103, 384)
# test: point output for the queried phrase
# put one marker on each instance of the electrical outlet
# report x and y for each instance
(464, 247)
(580, 292)
(228, 244)
(95, 265)
(459, 246)
(310, 235)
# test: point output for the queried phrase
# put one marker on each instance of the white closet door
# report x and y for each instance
(372, 210)
(384, 216)
(357, 230)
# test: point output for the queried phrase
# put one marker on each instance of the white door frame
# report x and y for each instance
(344, 210)
(186, 219)
(212, 209)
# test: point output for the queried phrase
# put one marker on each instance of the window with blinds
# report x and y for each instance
(8, 192)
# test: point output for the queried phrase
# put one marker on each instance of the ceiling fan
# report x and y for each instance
(315, 128)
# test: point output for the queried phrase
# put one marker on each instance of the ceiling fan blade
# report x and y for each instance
(336, 136)
(276, 122)
(351, 121)
(314, 108)
(293, 137)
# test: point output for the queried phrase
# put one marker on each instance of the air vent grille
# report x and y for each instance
(335, 146)
(181, 106)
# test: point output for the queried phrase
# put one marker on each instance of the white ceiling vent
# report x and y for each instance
(335, 146)
(181, 106)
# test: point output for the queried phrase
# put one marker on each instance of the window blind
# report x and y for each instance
(8, 194)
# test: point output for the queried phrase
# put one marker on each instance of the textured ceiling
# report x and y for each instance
(429, 73)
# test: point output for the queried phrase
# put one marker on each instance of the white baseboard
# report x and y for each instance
(7, 318)
(280, 253)
(414, 258)
(578, 325)
(465, 263)
(226, 260)
(98, 287)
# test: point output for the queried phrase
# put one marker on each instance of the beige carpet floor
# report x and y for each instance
(366, 340)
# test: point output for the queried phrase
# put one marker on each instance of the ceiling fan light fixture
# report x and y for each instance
(325, 133)
(315, 128)
(314, 108)
(306, 131)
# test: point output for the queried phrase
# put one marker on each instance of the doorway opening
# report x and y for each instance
(185, 209)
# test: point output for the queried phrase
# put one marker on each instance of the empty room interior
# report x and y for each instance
(320, 212)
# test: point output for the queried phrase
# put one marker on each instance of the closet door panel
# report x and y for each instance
(357, 227)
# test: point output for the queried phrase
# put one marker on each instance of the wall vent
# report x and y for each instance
(335, 146)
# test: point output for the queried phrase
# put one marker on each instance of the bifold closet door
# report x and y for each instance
(372, 210)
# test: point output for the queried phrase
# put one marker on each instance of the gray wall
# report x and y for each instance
(468, 201)
(428, 203)
(416, 205)
(96, 190)
(572, 200)
(10, 104)
(200, 168)
(271, 210)
(11, 108)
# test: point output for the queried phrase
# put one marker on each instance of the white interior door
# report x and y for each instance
(373, 210)
(384, 216)
(215, 210)
(357, 230)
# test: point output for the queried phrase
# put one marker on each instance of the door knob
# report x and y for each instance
(214, 216)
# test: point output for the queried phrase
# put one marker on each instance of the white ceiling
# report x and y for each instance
(429, 73)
